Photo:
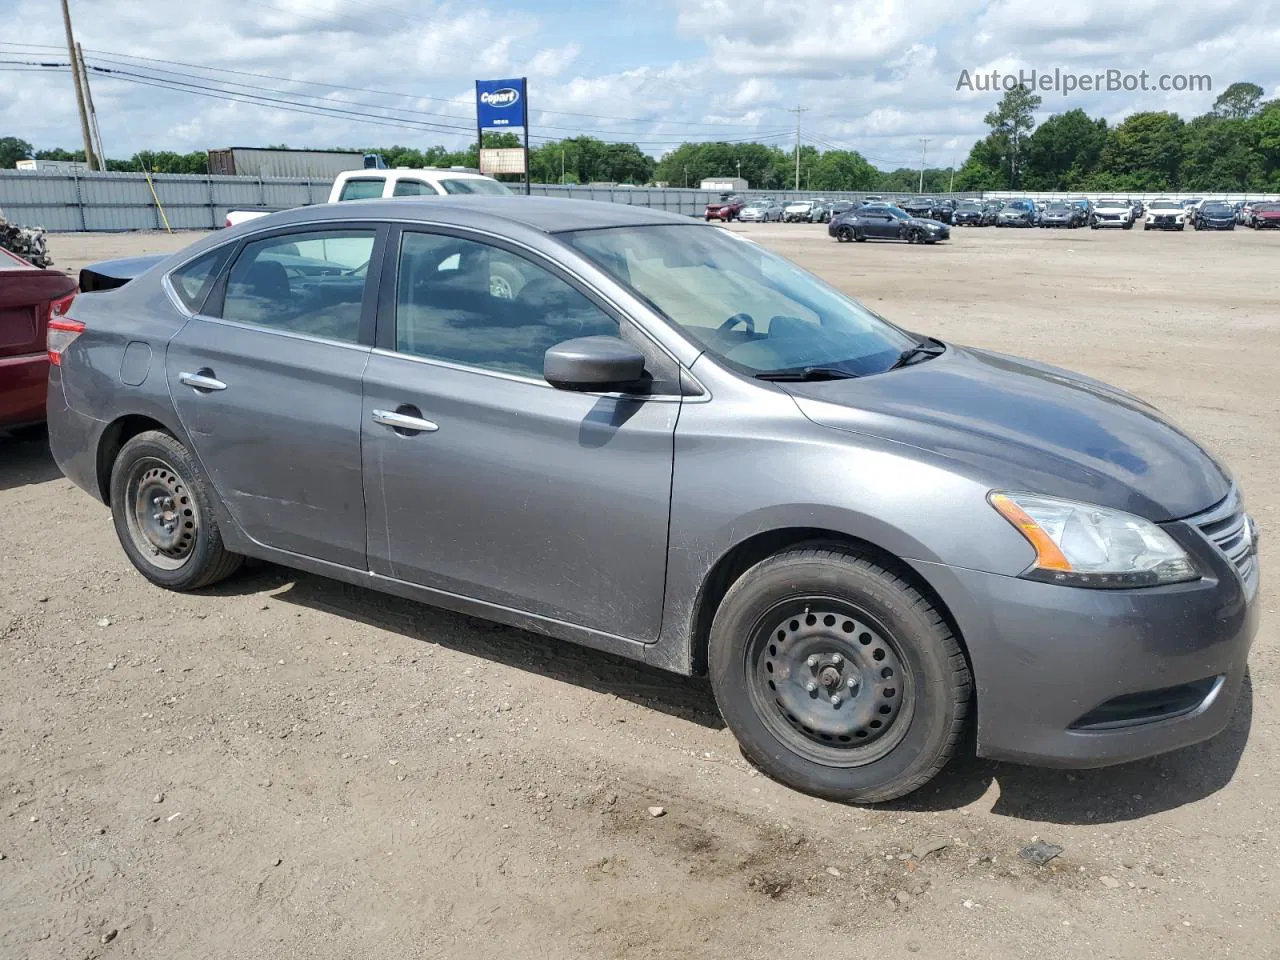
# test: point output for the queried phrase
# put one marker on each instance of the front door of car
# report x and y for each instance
(267, 384)
(880, 224)
(484, 481)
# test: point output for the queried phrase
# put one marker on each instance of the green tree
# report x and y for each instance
(1239, 101)
(987, 166)
(843, 170)
(12, 150)
(1221, 154)
(1014, 119)
(1144, 153)
(1063, 151)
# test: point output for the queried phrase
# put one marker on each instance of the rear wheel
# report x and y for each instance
(163, 515)
(837, 676)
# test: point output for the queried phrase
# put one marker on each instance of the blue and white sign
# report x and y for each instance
(500, 103)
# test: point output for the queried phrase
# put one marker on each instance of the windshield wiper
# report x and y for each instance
(921, 351)
(802, 374)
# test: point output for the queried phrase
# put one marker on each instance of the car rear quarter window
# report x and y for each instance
(475, 304)
(311, 283)
(414, 188)
(193, 281)
(362, 188)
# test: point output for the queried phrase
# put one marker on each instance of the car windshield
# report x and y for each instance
(746, 306)
(967, 205)
(475, 185)
(1218, 208)
(1058, 208)
(1165, 205)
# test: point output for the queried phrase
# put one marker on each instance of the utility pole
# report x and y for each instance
(90, 159)
(924, 147)
(798, 111)
(93, 114)
(952, 188)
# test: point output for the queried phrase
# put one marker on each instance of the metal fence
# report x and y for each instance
(64, 202)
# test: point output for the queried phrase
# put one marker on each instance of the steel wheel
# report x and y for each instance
(163, 517)
(829, 681)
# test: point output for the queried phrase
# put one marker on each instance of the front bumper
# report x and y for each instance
(1110, 222)
(1217, 224)
(1049, 660)
(1165, 223)
(22, 388)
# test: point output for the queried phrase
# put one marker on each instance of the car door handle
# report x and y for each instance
(404, 421)
(203, 380)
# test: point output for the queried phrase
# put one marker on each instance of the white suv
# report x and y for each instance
(405, 182)
(372, 183)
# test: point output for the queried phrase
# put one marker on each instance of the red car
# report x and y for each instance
(726, 209)
(29, 298)
(1266, 215)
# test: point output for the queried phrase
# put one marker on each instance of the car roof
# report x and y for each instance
(544, 214)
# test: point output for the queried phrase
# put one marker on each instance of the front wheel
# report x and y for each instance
(838, 677)
(163, 514)
(844, 235)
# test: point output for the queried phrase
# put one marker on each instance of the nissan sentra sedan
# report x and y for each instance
(625, 429)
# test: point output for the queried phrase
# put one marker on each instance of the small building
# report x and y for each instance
(725, 184)
(54, 166)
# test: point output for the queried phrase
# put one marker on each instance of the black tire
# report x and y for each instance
(844, 235)
(1146, 226)
(155, 462)
(927, 699)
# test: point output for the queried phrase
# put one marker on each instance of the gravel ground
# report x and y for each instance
(285, 766)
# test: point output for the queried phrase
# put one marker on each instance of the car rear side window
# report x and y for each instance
(193, 281)
(311, 283)
(471, 303)
(414, 188)
(365, 188)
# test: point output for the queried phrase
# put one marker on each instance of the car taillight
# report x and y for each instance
(62, 329)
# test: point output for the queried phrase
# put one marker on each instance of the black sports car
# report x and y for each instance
(885, 222)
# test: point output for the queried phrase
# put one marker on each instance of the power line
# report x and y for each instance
(112, 56)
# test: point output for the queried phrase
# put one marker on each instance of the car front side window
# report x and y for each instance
(475, 304)
(311, 283)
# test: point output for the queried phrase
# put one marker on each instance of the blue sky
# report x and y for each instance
(875, 75)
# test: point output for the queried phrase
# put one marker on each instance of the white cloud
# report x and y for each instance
(875, 74)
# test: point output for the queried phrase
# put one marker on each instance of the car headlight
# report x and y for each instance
(1083, 545)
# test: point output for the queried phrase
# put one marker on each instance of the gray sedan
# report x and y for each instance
(651, 436)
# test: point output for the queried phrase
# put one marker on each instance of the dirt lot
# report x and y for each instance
(288, 767)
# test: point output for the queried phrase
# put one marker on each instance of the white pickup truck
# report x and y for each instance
(402, 182)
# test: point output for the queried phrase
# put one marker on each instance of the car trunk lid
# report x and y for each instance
(25, 294)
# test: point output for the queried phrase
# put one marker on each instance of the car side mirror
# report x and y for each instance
(592, 363)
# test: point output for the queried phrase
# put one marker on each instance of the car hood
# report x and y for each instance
(1029, 427)
(1013, 214)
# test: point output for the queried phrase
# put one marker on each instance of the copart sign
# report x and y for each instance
(500, 103)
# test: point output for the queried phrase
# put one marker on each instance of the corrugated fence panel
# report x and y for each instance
(65, 202)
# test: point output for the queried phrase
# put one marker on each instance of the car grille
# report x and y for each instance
(1232, 531)
(1107, 216)
(1165, 220)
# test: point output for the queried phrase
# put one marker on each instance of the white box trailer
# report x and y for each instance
(263, 162)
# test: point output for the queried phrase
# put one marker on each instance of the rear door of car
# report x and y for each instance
(482, 480)
(266, 378)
